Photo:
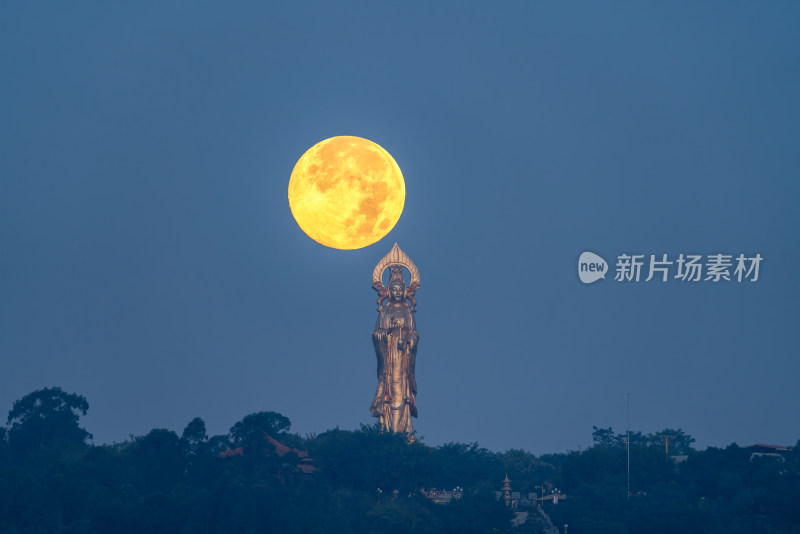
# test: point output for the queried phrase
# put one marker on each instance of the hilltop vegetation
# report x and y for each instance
(53, 480)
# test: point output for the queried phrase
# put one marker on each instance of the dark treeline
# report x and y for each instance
(52, 480)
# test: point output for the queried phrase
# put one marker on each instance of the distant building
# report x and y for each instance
(516, 499)
(759, 450)
(443, 496)
(554, 497)
(520, 500)
(305, 465)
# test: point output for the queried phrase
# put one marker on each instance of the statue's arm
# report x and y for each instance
(376, 342)
(379, 341)
(379, 335)
(412, 337)
(412, 376)
(378, 331)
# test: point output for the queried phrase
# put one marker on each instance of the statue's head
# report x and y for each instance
(397, 291)
(397, 288)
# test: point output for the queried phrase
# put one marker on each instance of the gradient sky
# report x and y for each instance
(149, 259)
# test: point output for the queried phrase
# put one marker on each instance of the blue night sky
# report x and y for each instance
(149, 259)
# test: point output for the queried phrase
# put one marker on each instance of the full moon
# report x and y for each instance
(346, 192)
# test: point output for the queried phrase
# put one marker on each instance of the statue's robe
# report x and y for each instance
(395, 400)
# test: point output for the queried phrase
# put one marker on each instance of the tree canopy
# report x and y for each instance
(366, 480)
(44, 416)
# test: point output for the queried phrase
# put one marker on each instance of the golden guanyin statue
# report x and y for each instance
(395, 339)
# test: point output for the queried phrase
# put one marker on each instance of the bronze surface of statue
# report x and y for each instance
(395, 339)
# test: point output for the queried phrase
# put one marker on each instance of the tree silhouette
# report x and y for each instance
(46, 416)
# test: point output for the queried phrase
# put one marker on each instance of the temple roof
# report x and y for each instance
(281, 450)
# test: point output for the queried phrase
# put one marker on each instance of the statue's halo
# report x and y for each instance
(396, 257)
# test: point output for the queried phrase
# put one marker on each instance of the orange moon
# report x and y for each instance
(346, 192)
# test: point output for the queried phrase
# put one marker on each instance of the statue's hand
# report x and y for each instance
(403, 340)
(381, 335)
